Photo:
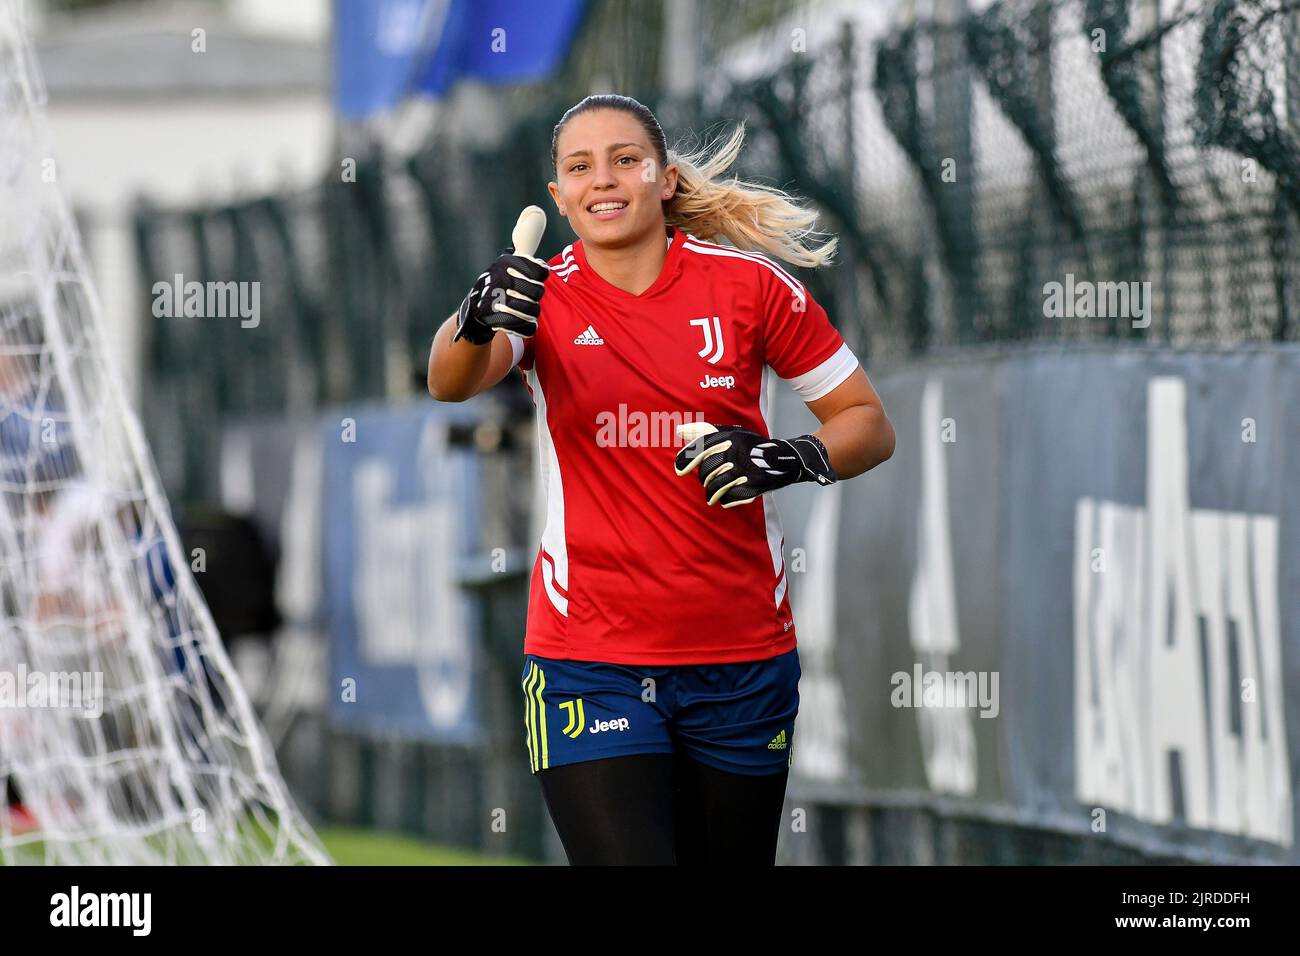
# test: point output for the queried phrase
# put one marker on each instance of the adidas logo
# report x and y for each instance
(778, 742)
(589, 337)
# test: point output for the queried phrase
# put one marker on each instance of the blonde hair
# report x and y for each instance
(747, 215)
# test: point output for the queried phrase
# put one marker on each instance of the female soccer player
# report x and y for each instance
(660, 673)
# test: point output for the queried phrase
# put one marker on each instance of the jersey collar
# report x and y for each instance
(672, 263)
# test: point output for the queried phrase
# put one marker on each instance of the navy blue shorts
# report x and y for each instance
(735, 717)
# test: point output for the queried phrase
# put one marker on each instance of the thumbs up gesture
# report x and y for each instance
(508, 294)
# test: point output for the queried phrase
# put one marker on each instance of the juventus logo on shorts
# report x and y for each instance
(573, 708)
(712, 333)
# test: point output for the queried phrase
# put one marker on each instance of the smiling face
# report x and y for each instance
(609, 183)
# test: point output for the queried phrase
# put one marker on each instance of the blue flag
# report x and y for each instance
(386, 50)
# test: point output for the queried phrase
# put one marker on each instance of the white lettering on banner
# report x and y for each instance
(405, 590)
(1177, 666)
(947, 735)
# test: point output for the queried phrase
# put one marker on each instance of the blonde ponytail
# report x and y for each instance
(750, 216)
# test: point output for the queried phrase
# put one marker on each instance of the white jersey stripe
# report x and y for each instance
(794, 284)
(756, 256)
(771, 516)
(554, 545)
(560, 602)
(566, 259)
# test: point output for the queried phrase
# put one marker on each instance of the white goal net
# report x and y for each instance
(125, 736)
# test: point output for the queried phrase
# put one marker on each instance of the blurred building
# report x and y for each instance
(186, 104)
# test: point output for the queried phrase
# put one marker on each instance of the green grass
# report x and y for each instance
(356, 847)
(347, 846)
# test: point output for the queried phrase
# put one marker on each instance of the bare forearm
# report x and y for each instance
(857, 439)
(455, 368)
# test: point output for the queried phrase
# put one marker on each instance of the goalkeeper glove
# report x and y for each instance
(736, 465)
(507, 296)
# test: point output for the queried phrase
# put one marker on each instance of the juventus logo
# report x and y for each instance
(574, 709)
(712, 332)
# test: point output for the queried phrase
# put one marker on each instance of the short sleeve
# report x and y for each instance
(799, 342)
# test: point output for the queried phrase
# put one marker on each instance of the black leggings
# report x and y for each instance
(663, 809)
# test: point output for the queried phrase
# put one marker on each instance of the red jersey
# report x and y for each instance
(634, 567)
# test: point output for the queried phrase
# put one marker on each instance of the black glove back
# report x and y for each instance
(737, 466)
(507, 296)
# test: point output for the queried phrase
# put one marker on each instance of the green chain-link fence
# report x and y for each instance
(966, 161)
(965, 164)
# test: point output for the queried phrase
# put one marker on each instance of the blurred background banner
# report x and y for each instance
(398, 509)
(385, 50)
(380, 47)
(1076, 562)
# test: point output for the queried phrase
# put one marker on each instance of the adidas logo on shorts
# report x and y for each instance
(589, 337)
(778, 742)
